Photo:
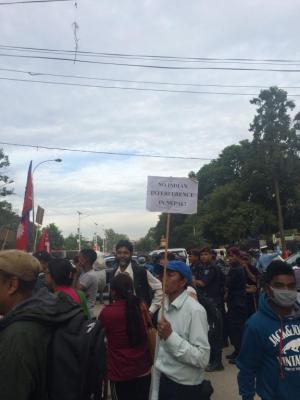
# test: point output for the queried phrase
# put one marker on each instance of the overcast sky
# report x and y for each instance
(111, 190)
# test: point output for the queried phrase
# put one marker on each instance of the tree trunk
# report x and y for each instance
(279, 213)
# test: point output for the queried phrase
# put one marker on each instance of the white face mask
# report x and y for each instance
(284, 297)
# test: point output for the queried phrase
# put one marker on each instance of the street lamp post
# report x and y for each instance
(103, 239)
(33, 201)
(79, 232)
(96, 236)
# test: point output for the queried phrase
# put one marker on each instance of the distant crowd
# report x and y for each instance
(161, 332)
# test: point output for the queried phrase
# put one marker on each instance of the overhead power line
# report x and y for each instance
(141, 89)
(143, 57)
(151, 66)
(94, 78)
(162, 57)
(110, 153)
(7, 3)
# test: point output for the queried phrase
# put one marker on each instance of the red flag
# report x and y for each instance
(44, 242)
(23, 228)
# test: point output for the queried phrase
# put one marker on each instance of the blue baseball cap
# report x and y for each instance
(182, 268)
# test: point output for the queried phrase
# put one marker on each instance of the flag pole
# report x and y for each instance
(35, 236)
(22, 242)
(34, 228)
(165, 265)
(5, 239)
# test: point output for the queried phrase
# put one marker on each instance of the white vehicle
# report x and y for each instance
(182, 253)
(221, 253)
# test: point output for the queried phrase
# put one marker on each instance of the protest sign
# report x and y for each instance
(39, 215)
(172, 195)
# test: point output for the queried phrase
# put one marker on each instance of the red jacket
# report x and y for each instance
(124, 362)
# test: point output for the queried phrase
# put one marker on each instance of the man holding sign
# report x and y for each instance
(182, 350)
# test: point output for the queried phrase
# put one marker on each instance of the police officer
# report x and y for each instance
(235, 295)
(208, 277)
(208, 280)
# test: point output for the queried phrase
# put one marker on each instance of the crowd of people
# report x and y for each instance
(148, 343)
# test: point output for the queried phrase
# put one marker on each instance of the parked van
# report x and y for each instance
(180, 252)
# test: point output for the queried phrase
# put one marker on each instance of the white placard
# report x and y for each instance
(172, 195)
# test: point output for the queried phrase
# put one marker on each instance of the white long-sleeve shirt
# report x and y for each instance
(153, 282)
(185, 354)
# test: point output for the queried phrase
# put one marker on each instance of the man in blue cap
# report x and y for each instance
(182, 348)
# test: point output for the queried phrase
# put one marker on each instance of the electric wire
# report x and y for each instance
(134, 88)
(7, 3)
(37, 73)
(162, 57)
(145, 58)
(110, 153)
(151, 66)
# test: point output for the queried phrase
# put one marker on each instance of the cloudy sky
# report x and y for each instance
(111, 190)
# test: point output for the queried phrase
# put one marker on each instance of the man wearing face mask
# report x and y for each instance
(146, 286)
(269, 360)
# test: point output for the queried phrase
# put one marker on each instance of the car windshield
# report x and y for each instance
(292, 259)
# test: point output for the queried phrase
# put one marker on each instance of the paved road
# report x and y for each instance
(224, 382)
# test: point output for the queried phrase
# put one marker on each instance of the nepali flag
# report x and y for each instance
(23, 228)
(44, 242)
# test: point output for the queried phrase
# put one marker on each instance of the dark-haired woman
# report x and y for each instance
(59, 278)
(129, 362)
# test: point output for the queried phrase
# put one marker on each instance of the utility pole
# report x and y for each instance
(79, 231)
(96, 236)
(103, 239)
(279, 212)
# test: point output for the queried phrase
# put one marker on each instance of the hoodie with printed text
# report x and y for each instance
(269, 361)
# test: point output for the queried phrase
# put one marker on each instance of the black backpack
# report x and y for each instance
(77, 360)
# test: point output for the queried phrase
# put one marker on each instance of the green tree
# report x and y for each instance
(112, 238)
(55, 237)
(8, 219)
(147, 243)
(175, 236)
(4, 179)
(226, 218)
(242, 191)
(8, 225)
(277, 145)
(71, 242)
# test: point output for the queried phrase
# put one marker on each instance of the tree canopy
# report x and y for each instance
(4, 179)
(55, 237)
(237, 191)
(112, 238)
(8, 218)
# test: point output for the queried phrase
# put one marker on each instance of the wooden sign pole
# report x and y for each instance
(5, 239)
(165, 265)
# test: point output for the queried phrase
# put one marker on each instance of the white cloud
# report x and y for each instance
(111, 190)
